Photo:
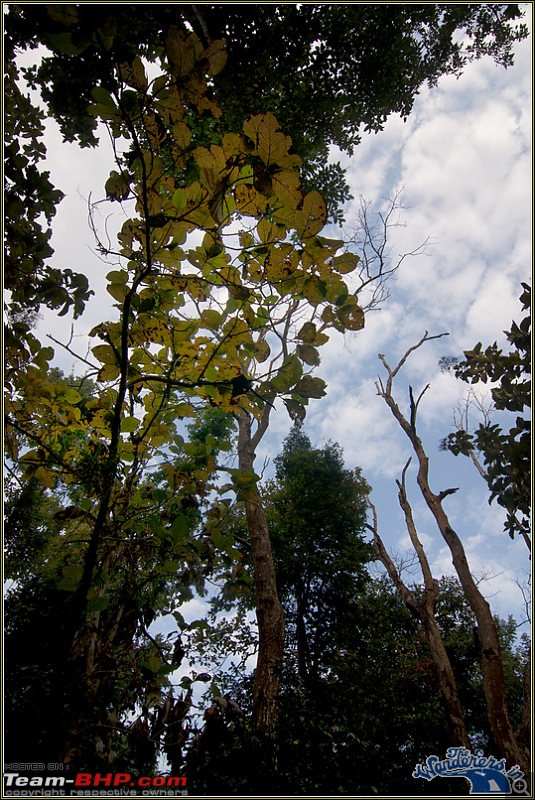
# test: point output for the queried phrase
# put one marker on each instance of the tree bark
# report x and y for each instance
(269, 611)
(489, 645)
(424, 610)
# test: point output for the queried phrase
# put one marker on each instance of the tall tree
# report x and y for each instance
(317, 514)
(192, 328)
(360, 692)
(423, 607)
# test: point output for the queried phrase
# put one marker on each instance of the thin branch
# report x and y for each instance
(71, 351)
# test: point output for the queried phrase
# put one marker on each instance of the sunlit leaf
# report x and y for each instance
(272, 145)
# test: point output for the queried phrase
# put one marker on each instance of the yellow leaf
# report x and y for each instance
(181, 135)
(180, 51)
(312, 215)
(100, 420)
(233, 145)
(281, 262)
(287, 188)
(270, 231)
(271, 144)
(204, 157)
(45, 476)
(249, 201)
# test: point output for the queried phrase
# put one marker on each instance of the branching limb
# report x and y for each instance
(371, 238)
(403, 590)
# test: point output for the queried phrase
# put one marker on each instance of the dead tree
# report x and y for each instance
(511, 746)
(424, 610)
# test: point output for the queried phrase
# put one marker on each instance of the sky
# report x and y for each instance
(463, 162)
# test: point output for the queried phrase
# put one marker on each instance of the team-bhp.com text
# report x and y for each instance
(19, 785)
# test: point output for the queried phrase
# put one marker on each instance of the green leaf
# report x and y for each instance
(117, 276)
(130, 424)
(296, 410)
(180, 526)
(102, 96)
(117, 187)
(351, 316)
(72, 396)
(117, 290)
(307, 333)
(180, 199)
(98, 604)
(105, 353)
(346, 262)
(288, 375)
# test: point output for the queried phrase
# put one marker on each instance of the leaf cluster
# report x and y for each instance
(506, 453)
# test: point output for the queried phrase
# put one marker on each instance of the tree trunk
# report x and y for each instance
(269, 611)
(446, 678)
(424, 610)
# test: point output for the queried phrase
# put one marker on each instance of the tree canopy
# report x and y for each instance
(328, 72)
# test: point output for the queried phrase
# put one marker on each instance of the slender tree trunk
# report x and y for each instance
(424, 610)
(269, 611)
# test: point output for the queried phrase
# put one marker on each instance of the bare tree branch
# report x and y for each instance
(371, 235)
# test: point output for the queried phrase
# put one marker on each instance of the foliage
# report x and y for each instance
(506, 453)
(193, 321)
(317, 514)
(328, 72)
(360, 700)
